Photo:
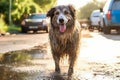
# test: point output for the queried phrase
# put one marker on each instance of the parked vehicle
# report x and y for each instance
(95, 20)
(110, 16)
(35, 22)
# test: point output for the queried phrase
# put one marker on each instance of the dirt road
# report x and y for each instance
(101, 47)
(99, 59)
(102, 56)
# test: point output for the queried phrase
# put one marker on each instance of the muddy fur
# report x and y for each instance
(66, 43)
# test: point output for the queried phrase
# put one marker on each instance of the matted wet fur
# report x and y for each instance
(64, 35)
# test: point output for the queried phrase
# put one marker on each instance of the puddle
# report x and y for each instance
(7, 74)
(43, 68)
(85, 75)
(19, 59)
(38, 54)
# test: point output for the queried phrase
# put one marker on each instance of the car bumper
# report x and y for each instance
(35, 27)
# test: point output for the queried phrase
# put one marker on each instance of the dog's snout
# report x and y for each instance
(61, 20)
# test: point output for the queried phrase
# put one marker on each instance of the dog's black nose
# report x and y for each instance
(61, 20)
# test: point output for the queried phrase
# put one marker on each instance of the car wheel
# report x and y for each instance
(23, 30)
(91, 28)
(46, 29)
(34, 31)
(106, 29)
(101, 29)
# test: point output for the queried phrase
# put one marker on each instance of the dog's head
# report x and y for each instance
(62, 17)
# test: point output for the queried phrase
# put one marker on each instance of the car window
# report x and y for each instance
(116, 5)
(106, 5)
(37, 16)
(95, 14)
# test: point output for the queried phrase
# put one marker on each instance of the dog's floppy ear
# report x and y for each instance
(72, 9)
(51, 12)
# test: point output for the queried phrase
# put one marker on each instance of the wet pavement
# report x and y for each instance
(7, 74)
(91, 64)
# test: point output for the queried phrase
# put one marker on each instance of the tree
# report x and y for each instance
(4, 9)
(20, 7)
(23, 7)
(85, 11)
(45, 4)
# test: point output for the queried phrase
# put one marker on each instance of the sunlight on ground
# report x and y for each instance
(100, 49)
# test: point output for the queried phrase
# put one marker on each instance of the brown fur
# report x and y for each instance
(66, 43)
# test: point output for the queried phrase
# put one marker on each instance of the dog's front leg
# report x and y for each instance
(72, 59)
(57, 60)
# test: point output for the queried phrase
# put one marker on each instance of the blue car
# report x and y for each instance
(110, 16)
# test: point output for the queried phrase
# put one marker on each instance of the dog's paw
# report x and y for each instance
(57, 70)
(70, 72)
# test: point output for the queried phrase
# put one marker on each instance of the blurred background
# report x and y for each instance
(12, 12)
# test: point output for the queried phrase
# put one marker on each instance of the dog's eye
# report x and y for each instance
(66, 12)
(57, 12)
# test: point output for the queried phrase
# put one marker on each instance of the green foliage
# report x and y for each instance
(7, 28)
(86, 10)
(45, 4)
(23, 6)
(4, 9)
(20, 7)
(13, 28)
(3, 26)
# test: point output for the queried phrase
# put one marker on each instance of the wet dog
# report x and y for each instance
(64, 35)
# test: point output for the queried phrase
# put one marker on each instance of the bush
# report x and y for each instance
(13, 28)
(7, 28)
(86, 10)
(3, 26)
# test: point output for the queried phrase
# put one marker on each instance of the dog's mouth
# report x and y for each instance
(62, 28)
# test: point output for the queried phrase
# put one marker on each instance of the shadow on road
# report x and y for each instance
(36, 32)
(112, 36)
